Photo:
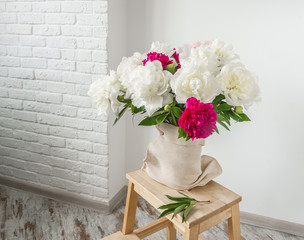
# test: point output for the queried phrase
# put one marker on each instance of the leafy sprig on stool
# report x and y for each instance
(184, 204)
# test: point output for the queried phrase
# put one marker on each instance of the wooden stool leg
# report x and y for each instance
(130, 210)
(234, 227)
(171, 233)
(192, 233)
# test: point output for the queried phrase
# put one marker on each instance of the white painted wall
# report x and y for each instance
(117, 48)
(262, 160)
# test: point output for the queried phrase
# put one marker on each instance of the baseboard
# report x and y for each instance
(61, 195)
(118, 198)
(271, 223)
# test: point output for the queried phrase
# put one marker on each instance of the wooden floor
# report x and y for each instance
(32, 217)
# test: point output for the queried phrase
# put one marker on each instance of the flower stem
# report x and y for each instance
(173, 117)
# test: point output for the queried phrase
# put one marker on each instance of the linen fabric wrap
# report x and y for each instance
(178, 163)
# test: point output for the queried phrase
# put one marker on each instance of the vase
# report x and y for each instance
(177, 163)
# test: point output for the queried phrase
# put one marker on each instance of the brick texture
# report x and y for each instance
(50, 133)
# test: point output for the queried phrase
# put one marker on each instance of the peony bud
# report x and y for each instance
(167, 108)
(238, 109)
(171, 68)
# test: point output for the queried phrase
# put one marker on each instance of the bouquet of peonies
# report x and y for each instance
(193, 87)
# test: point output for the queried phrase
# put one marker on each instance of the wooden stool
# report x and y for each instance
(224, 205)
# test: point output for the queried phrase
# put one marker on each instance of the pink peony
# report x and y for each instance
(199, 119)
(175, 55)
(153, 56)
(199, 43)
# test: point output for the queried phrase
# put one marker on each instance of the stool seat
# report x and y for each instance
(155, 193)
(223, 205)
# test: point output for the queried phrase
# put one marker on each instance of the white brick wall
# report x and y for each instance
(49, 132)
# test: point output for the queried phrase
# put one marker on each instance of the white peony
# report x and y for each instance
(203, 56)
(150, 86)
(162, 48)
(184, 51)
(239, 86)
(127, 65)
(223, 51)
(104, 93)
(194, 80)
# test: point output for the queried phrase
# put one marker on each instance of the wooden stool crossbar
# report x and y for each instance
(224, 205)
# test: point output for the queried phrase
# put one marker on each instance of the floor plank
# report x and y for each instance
(26, 216)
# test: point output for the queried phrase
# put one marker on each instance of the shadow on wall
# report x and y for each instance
(140, 15)
(138, 139)
(130, 25)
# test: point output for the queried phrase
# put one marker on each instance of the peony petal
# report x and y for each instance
(198, 120)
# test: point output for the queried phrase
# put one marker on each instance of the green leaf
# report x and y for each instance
(218, 99)
(135, 110)
(224, 107)
(181, 132)
(120, 114)
(227, 117)
(153, 120)
(158, 113)
(148, 121)
(235, 116)
(171, 205)
(116, 120)
(161, 118)
(179, 209)
(220, 118)
(164, 213)
(173, 103)
(177, 112)
(179, 199)
(244, 117)
(217, 131)
(224, 125)
(123, 100)
(186, 212)
(183, 204)
(185, 195)
(170, 119)
(223, 117)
